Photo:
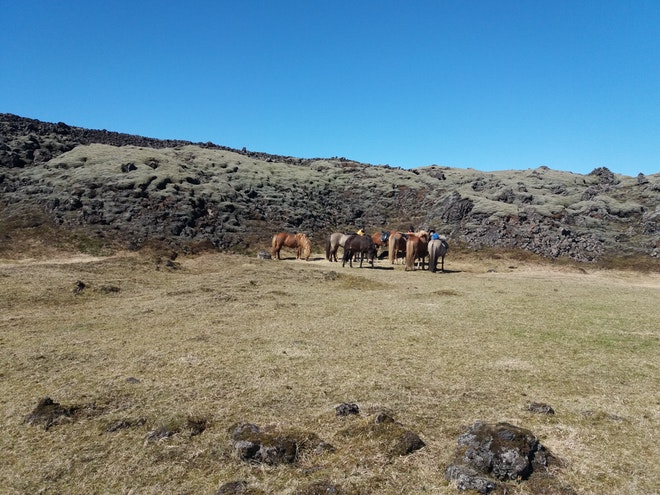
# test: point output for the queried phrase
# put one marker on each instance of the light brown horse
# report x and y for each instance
(300, 242)
(416, 249)
(396, 246)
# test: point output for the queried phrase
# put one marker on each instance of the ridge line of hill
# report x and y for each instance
(134, 191)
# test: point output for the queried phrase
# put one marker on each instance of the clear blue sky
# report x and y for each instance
(486, 84)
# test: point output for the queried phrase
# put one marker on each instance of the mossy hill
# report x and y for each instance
(130, 191)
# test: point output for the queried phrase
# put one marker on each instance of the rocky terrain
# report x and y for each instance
(131, 191)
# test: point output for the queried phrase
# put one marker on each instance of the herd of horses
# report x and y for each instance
(412, 247)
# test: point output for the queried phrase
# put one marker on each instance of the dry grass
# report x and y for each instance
(219, 339)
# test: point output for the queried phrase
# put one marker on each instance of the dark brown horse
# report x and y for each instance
(300, 242)
(416, 249)
(396, 246)
(361, 245)
(437, 250)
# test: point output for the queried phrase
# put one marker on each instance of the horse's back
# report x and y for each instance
(348, 240)
(335, 239)
(438, 246)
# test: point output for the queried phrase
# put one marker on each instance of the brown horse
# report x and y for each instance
(300, 242)
(416, 249)
(396, 246)
(359, 244)
(380, 239)
(437, 250)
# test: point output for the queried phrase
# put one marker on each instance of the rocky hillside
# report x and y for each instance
(133, 191)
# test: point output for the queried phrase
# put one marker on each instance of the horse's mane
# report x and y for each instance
(305, 245)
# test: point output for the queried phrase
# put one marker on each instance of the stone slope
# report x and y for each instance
(133, 191)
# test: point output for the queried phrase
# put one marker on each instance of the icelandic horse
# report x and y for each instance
(333, 243)
(416, 249)
(380, 239)
(437, 250)
(362, 245)
(396, 246)
(300, 242)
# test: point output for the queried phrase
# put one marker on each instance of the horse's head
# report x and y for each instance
(306, 246)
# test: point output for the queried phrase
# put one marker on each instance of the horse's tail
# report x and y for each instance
(328, 245)
(434, 249)
(273, 246)
(410, 254)
(391, 249)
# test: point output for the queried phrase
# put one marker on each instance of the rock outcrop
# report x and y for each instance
(135, 191)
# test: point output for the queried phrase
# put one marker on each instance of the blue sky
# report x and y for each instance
(487, 84)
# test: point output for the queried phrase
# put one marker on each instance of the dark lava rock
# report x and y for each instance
(487, 454)
(407, 443)
(48, 413)
(347, 409)
(540, 407)
(252, 444)
(390, 436)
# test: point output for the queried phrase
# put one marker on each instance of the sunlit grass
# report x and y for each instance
(229, 338)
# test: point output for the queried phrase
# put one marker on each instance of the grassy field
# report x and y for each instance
(137, 344)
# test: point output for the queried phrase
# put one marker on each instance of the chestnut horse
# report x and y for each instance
(437, 250)
(416, 249)
(380, 239)
(300, 242)
(362, 245)
(396, 246)
(333, 243)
